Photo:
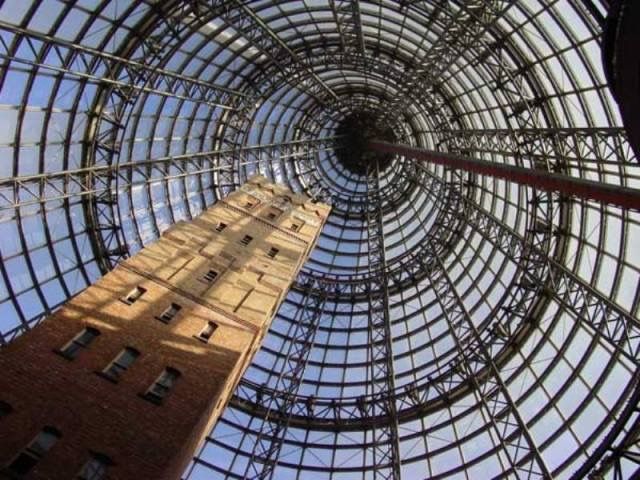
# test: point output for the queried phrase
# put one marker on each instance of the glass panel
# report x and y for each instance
(95, 469)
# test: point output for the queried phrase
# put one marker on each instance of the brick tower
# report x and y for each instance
(125, 380)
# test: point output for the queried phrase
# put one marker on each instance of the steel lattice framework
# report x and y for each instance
(449, 324)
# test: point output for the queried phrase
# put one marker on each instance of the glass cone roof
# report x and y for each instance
(447, 325)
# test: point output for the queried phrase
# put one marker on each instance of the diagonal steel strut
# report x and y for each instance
(271, 433)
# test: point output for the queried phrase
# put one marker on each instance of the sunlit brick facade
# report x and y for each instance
(127, 378)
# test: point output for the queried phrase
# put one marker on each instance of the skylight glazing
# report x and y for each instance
(447, 325)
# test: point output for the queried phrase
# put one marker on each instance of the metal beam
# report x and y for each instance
(592, 309)
(280, 407)
(385, 441)
(608, 320)
(103, 68)
(346, 14)
(155, 36)
(262, 37)
(40, 188)
(582, 148)
(525, 459)
(462, 30)
(540, 179)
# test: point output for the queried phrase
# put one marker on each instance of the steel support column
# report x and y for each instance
(524, 457)
(279, 408)
(386, 454)
(541, 179)
(348, 19)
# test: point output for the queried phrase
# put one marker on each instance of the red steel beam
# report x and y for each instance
(624, 197)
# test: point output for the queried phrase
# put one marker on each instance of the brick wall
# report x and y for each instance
(94, 414)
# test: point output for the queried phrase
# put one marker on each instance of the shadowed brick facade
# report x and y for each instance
(229, 270)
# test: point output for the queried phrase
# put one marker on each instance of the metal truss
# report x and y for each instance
(476, 364)
(610, 322)
(464, 27)
(346, 15)
(291, 67)
(388, 69)
(22, 191)
(445, 298)
(384, 437)
(128, 76)
(160, 34)
(620, 459)
(311, 178)
(524, 458)
(584, 149)
(592, 309)
(264, 456)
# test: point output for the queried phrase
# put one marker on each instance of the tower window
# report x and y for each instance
(5, 409)
(294, 227)
(220, 227)
(81, 341)
(170, 312)
(210, 276)
(163, 384)
(246, 240)
(121, 363)
(207, 332)
(34, 452)
(95, 468)
(250, 203)
(273, 213)
(134, 295)
(273, 252)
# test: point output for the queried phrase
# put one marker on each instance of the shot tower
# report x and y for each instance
(126, 379)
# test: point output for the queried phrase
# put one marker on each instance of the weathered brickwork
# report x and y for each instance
(211, 272)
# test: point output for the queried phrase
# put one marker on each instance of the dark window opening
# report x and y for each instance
(163, 384)
(95, 468)
(121, 363)
(5, 409)
(170, 313)
(273, 252)
(273, 213)
(246, 240)
(220, 227)
(294, 227)
(34, 452)
(210, 276)
(207, 331)
(81, 341)
(134, 295)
